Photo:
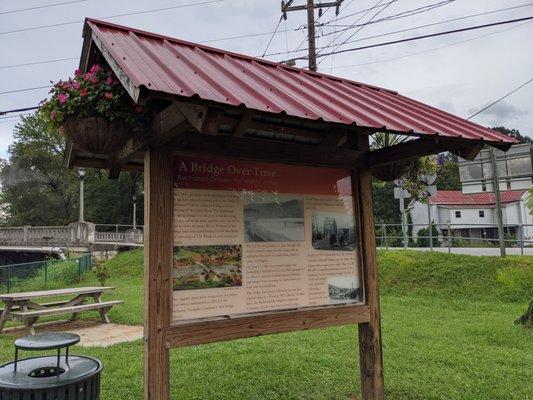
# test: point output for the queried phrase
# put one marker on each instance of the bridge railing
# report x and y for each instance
(35, 235)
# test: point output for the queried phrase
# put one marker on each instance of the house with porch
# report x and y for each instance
(471, 211)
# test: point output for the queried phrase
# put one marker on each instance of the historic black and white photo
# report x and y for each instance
(333, 231)
(343, 289)
(272, 217)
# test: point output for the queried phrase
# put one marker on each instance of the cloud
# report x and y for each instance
(503, 111)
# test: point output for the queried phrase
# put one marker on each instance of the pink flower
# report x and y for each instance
(88, 76)
(77, 72)
(108, 95)
(109, 81)
(76, 85)
(83, 92)
(94, 80)
(95, 68)
(62, 98)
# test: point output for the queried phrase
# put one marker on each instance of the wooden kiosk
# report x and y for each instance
(252, 166)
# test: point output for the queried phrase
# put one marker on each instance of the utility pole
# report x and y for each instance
(499, 214)
(310, 7)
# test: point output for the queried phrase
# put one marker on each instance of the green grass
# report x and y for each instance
(444, 337)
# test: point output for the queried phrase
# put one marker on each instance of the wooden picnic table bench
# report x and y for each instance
(25, 308)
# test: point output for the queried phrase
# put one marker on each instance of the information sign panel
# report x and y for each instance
(252, 237)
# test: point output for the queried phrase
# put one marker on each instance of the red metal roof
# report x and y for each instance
(181, 68)
(458, 198)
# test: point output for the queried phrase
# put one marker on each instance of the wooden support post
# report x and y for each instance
(158, 179)
(370, 355)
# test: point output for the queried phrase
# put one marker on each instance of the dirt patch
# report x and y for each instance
(92, 334)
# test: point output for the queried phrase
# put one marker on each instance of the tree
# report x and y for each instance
(39, 189)
(448, 178)
(386, 207)
(515, 133)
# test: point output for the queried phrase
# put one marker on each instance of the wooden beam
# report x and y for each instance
(370, 352)
(212, 121)
(165, 126)
(266, 150)
(219, 329)
(158, 210)
(416, 148)
(243, 124)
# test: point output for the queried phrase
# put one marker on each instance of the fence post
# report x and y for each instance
(449, 238)
(521, 237)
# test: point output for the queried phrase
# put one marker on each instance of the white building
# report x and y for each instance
(472, 210)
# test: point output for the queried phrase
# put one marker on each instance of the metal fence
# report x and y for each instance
(450, 236)
(40, 274)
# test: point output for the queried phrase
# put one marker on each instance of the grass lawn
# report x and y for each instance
(448, 333)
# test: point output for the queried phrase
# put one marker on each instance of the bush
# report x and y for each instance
(101, 272)
(422, 237)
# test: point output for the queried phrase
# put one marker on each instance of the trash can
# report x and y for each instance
(61, 377)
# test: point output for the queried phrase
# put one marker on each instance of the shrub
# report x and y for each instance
(101, 272)
(422, 237)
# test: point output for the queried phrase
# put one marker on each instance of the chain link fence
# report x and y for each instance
(47, 274)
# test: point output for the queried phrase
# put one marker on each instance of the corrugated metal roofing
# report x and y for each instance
(458, 198)
(181, 68)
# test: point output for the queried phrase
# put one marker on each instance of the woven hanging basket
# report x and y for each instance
(96, 135)
(390, 172)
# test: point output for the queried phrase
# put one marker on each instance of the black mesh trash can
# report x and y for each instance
(50, 377)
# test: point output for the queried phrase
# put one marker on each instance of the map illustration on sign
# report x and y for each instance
(254, 237)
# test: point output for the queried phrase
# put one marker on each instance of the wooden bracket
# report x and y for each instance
(166, 125)
(193, 113)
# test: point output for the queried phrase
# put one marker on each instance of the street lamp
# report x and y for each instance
(81, 173)
(134, 198)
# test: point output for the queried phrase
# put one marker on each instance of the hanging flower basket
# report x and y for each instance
(94, 111)
(96, 134)
(390, 172)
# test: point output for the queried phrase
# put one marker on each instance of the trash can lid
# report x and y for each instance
(47, 341)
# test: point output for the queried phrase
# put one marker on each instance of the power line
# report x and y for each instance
(358, 30)
(45, 6)
(415, 27)
(113, 16)
(432, 49)
(26, 89)
(360, 18)
(18, 110)
(404, 14)
(38, 62)
(500, 99)
(422, 37)
(273, 34)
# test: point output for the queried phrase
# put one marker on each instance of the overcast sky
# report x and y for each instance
(459, 73)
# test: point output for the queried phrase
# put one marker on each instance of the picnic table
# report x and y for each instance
(24, 307)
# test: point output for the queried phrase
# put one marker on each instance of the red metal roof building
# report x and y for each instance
(458, 199)
(163, 65)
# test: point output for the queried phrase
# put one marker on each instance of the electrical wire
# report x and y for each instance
(421, 37)
(432, 49)
(112, 16)
(45, 6)
(415, 27)
(26, 89)
(273, 34)
(500, 99)
(357, 31)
